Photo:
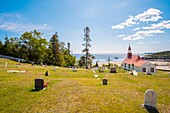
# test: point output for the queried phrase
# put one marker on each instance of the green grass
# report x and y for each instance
(73, 92)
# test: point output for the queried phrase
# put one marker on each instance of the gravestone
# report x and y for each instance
(105, 81)
(39, 84)
(113, 70)
(41, 64)
(96, 76)
(32, 63)
(101, 69)
(19, 62)
(47, 73)
(150, 99)
(55, 68)
(6, 65)
(74, 69)
(45, 64)
(134, 73)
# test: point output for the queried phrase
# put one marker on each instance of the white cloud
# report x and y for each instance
(142, 34)
(136, 29)
(151, 14)
(128, 22)
(119, 36)
(155, 42)
(13, 23)
(21, 27)
(148, 33)
(162, 25)
(131, 37)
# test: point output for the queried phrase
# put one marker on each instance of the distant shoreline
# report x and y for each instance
(106, 63)
(158, 63)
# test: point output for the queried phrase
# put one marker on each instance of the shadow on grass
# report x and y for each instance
(152, 110)
(35, 90)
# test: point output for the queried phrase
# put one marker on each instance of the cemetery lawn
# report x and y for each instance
(73, 92)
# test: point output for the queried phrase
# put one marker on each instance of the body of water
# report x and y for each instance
(114, 57)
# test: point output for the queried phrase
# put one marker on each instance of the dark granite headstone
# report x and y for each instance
(104, 81)
(47, 73)
(39, 84)
(113, 70)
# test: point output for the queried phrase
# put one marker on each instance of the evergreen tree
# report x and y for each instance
(49, 58)
(56, 48)
(1, 46)
(69, 59)
(86, 60)
(7, 48)
(68, 48)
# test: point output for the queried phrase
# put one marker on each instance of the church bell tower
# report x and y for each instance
(129, 55)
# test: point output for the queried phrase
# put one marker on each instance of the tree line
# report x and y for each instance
(160, 55)
(31, 46)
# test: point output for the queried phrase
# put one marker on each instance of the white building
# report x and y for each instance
(134, 62)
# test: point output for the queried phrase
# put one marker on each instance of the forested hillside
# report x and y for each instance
(163, 54)
(32, 46)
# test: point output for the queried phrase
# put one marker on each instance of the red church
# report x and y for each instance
(135, 62)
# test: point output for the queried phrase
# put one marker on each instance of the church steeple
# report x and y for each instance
(129, 55)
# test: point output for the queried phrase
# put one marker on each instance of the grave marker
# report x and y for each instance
(47, 73)
(134, 73)
(96, 76)
(105, 81)
(6, 65)
(150, 99)
(74, 69)
(113, 70)
(55, 68)
(32, 63)
(19, 62)
(101, 69)
(39, 84)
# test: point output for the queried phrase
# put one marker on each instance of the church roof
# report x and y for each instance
(136, 60)
(139, 63)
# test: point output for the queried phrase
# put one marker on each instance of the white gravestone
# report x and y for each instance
(96, 76)
(150, 98)
(6, 65)
(55, 68)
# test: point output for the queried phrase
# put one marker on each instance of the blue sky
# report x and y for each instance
(113, 23)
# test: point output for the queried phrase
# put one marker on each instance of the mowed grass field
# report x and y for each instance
(74, 92)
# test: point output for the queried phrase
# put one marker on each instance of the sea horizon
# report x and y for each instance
(103, 57)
